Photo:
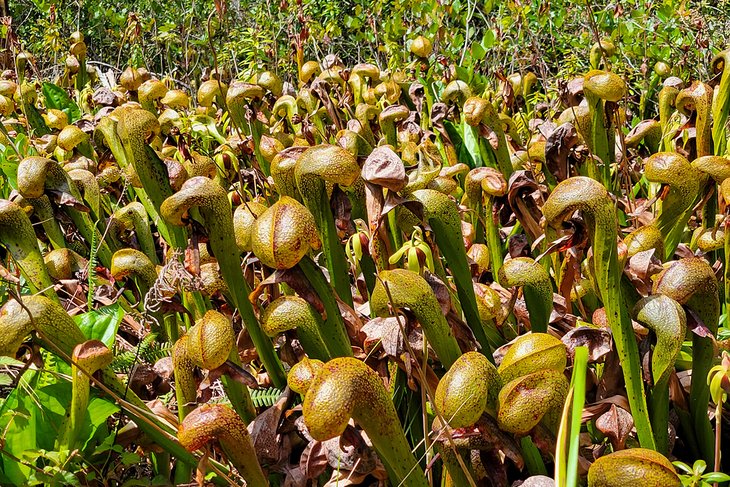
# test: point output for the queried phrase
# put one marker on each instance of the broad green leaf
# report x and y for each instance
(35, 120)
(95, 426)
(9, 166)
(101, 324)
(488, 39)
(462, 153)
(18, 419)
(32, 417)
(716, 477)
(129, 458)
(471, 144)
(57, 98)
(9, 361)
(477, 51)
(463, 74)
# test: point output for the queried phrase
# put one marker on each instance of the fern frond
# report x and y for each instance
(92, 272)
(265, 397)
(148, 351)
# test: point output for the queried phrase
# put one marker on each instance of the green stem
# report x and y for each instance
(333, 329)
(443, 217)
(317, 166)
(238, 393)
(533, 458)
(599, 140)
(581, 193)
(332, 249)
(692, 283)
(134, 217)
(135, 127)
(478, 111)
(89, 356)
(666, 319)
(494, 242)
(215, 210)
(44, 212)
(659, 407)
(18, 237)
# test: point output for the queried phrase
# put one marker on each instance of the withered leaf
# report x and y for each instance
(350, 452)
(616, 423)
(544, 127)
(597, 340)
(67, 199)
(571, 273)
(264, 430)
(295, 279)
(484, 435)
(491, 461)
(385, 331)
(439, 111)
(518, 246)
(571, 93)
(557, 150)
(612, 379)
(163, 367)
(342, 212)
(417, 94)
(489, 134)
(246, 351)
(353, 323)
(639, 269)
(385, 168)
(678, 392)
(201, 470)
(313, 461)
(295, 477)
(105, 96)
(238, 374)
(695, 323)
(320, 89)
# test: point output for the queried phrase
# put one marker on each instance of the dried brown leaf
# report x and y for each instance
(385, 168)
(359, 458)
(264, 431)
(313, 461)
(558, 147)
(342, 213)
(66, 199)
(640, 268)
(385, 331)
(518, 246)
(616, 423)
(295, 477)
(612, 378)
(489, 134)
(597, 340)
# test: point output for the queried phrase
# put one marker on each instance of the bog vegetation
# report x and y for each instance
(368, 242)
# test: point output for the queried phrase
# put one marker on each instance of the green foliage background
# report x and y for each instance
(171, 37)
